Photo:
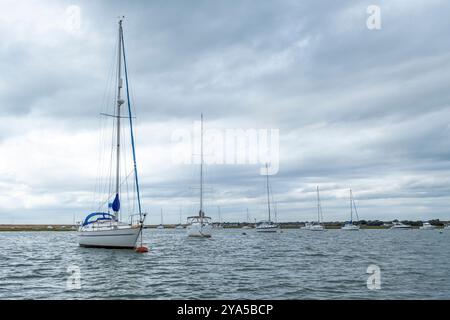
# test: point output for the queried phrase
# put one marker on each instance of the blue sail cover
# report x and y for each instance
(116, 204)
(97, 216)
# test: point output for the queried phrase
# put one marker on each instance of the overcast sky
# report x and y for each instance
(355, 108)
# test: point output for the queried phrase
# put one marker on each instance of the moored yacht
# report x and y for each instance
(400, 226)
(105, 229)
(179, 225)
(267, 225)
(427, 226)
(317, 226)
(306, 226)
(161, 225)
(200, 226)
(350, 226)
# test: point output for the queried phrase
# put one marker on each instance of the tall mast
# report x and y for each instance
(318, 205)
(116, 207)
(218, 210)
(248, 218)
(161, 217)
(351, 206)
(136, 179)
(201, 169)
(268, 195)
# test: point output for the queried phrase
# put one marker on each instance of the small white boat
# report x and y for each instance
(447, 227)
(267, 225)
(104, 229)
(400, 226)
(317, 227)
(350, 226)
(307, 226)
(200, 226)
(427, 226)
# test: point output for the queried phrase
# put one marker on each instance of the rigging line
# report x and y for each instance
(110, 195)
(356, 211)
(99, 183)
(113, 131)
(131, 126)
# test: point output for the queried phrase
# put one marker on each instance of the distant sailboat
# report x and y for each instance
(306, 226)
(318, 225)
(247, 226)
(267, 225)
(179, 226)
(349, 226)
(161, 225)
(200, 225)
(219, 224)
(104, 229)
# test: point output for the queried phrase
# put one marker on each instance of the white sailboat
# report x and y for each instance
(318, 225)
(179, 226)
(105, 229)
(267, 225)
(247, 226)
(306, 226)
(349, 226)
(161, 225)
(218, 225)
(200, 226)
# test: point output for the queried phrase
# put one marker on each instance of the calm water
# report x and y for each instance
(295, 264)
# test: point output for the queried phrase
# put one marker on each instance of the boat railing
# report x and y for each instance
(136, 219)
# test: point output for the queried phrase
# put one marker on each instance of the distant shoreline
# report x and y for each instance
(284, 225)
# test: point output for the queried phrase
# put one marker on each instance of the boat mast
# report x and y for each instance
(119, 103)
(318, 205)
(351, 206)
(201, 169)
(267, 183)
(161, 217)
(218, 210)
(136, 179)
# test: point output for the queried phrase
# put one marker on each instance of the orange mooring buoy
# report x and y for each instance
(141, 249)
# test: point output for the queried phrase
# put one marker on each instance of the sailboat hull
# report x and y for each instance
(350, 227)
(197, 231)
(266, 226)
(123, 238)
